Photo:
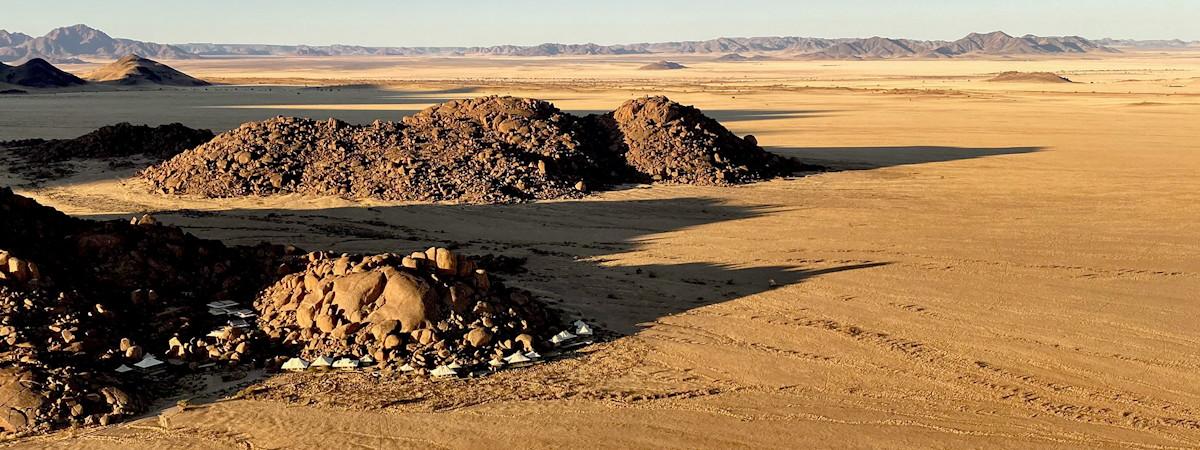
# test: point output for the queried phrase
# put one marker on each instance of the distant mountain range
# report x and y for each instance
(996, 43)
(1160, 44)
(69, 44)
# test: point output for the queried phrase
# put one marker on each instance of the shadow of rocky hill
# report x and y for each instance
(582, 256)
(848, 158)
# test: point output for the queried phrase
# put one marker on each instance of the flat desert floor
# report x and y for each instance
(993, 265)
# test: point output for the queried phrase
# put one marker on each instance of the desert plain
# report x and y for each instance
(985, 265)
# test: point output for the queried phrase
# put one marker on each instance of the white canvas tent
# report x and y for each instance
(444, 371)
(295, 364)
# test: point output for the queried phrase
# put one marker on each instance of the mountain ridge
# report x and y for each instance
(66, 44)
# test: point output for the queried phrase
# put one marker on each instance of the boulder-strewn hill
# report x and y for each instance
(1030, 77)
(37, 73)
(134, 70)
(663, 65)
(80, 41)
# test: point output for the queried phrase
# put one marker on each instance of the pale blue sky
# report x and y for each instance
(480, 22)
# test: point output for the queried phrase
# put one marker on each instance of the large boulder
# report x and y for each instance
(408, 300)
(352, 292)
(18, 403)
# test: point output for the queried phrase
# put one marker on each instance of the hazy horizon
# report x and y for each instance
(530, 22)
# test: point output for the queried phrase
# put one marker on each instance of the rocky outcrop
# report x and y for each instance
(118, 141)
(423, 310)
(664, 141)
(80, 299)
(483, 150)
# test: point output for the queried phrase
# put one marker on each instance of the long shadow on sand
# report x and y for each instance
(849, 158)
(591, 259)
(729, 115)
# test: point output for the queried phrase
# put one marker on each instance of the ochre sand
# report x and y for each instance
(1007, 266)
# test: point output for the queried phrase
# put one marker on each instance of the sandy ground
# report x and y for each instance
(1001, 266)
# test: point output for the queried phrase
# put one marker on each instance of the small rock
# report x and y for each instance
(479, 337)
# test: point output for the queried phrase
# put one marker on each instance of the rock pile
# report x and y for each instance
(84, 305)
(664, 141)
(417, 311)
(121, 140)
(663, 65)
(98, 318)
(1029, 77)
(484, 150)
(48, 378)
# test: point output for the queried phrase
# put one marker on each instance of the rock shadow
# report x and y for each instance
(850, 158)
(582, 257)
